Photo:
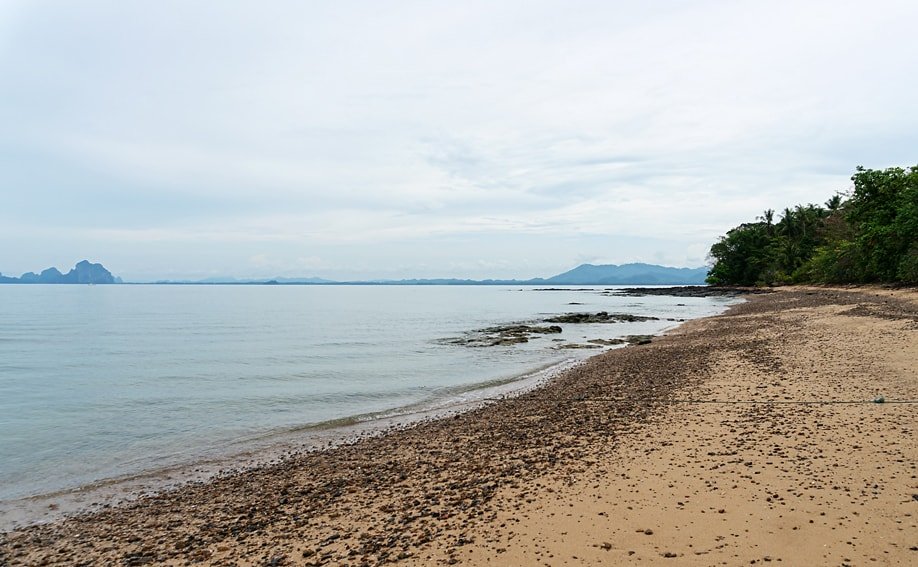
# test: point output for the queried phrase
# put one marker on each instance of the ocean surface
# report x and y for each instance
(104, 382)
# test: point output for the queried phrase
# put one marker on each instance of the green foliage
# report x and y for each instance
(872, 236)
(741, 254)
(833, 263)
(884, 211)
(908, 267)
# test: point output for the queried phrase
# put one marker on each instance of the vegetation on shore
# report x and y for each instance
(868, 235)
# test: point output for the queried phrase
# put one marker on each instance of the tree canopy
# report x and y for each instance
(869, 235)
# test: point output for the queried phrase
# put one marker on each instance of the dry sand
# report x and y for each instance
(695, 449)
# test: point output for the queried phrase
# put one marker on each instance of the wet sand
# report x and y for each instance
(747, 438)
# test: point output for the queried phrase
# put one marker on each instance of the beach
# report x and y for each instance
(774, 433)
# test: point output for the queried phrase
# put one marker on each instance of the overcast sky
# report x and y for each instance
(424, 139)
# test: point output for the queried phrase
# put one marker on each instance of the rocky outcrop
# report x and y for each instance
(84, 272)
(688, 291)
(517, 333)
(601, 317)
(504, 335)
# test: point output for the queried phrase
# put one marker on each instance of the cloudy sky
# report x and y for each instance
(422, 139)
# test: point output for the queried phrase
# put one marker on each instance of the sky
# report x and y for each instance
(390, 139)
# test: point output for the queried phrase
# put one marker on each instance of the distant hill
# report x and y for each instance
(629, 274)
(585, 274)
(84, 272)
(226, 280)
(302, 280)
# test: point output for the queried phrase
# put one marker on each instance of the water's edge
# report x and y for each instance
(270, 448)
(263, 449)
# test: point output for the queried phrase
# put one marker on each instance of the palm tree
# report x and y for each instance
(768, 216)
(787, 224)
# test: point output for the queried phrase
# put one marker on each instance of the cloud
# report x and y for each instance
(435, 136)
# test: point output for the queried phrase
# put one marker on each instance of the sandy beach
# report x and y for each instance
(780, 432)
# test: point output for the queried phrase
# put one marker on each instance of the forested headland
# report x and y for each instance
(868, 234)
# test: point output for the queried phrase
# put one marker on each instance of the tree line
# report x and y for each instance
(867, 235)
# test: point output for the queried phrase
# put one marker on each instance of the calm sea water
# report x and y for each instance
(98, 382)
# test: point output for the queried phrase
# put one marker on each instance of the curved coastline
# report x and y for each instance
(270, 447)
(611, 461)
(125, 398)
(469, 455)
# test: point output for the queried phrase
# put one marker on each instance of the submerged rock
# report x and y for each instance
(522, 330)
(504, 335)
(607, 342)
(518, 333)
(511, 340)
(601, 317)
(639, 339)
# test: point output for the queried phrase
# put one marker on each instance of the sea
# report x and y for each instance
(101, 384)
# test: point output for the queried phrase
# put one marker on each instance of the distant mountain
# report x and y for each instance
(302, 281)
(434, 281)
(629, 274)
(226, 280)
(83, 273)
(585, 274)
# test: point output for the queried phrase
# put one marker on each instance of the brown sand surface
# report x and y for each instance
(747, 438)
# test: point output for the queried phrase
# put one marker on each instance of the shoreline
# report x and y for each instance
(434, 491)
(259, 450)
(61, 462)
(796, 445)
(263, 450)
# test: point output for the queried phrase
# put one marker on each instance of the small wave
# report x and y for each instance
(458, 398)
(446, 398)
